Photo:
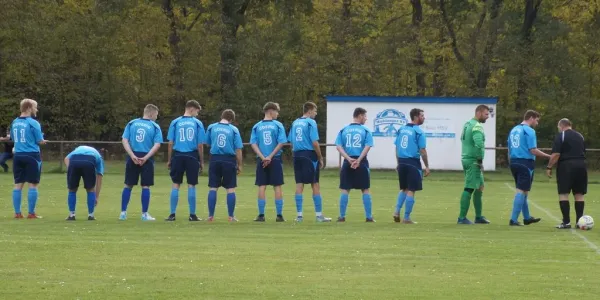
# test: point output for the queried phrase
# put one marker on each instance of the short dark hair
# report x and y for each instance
(564, 122)
(308, 106)
(271, 105)
(531, 114)
(481, 108)
(415, 113)
(192, 104)
(359, 111)
(228, 115)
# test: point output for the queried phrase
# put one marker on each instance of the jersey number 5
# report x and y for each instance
(267, 139)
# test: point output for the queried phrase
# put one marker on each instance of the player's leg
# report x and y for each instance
(564, 187)
(73, 177)
(229, 182)
(368, 205)
(147, 180)
(276, 180)
(414, 184)
(520, 175)
(176, 173)
(33, 170)
(192, 169)
(403, 183)
(316, 189)
(527, 217)
(261, 181)
(361, 180)
(345, 187)
(579, 175)
(472, 183)
(299, 166)
(132, 173)
(89, 183)
(214, 182)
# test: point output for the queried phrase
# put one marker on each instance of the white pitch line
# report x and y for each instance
(573, 231)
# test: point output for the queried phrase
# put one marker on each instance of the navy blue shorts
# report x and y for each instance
(272, 174)
(522, 171)
(306, 167)
(358, 179)
(81, 166)
(222, 171)
(27, 167)
(185, 162)
(133, 172)
(410, 174)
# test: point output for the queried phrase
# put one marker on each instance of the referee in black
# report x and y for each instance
(568, 151)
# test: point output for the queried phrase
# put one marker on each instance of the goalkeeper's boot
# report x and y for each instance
(482, 220)
(464, 221)
(531, 220)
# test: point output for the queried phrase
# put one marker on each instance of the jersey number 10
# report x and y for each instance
(183, 134)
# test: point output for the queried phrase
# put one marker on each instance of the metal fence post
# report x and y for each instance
(62, 154)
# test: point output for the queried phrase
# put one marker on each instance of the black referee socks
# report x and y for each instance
(565, 209)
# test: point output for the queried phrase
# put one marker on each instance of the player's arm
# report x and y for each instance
(169, 153)
(422, 144)
(98, 186)
(39, 136)
(367, 148)
(478, 142)
(340, 149)
(532, 142)
(314, 136)
(67, 162)
(128, 149)
(237, 143)
(170, 138)
(254, 145)
(556, 146)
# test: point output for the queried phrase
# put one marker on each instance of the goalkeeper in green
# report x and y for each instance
(473, 150)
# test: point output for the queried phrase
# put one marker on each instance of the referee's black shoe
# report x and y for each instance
(563, 226)
(531, 220)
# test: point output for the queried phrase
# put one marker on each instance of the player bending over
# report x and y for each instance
(26, 133)
(267, 139)
(87, 163)
(141, 139)
(354, 142)
(410, 148)
(186, 135)
(308, 160)
(226, 146)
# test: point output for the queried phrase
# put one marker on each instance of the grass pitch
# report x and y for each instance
(435, 259)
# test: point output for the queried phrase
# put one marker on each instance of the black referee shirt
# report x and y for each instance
(570, 145)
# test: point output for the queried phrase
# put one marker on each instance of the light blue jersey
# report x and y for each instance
(267, 134)
(409, 141)
(354, 138)
(87, 150)
(142, 134)
(303, 133)
(186, 133)
(223, 139)
(26, 133)
(521, 140)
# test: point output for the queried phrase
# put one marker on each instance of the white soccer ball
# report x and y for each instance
(585, 223)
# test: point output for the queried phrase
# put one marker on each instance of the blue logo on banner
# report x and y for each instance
(388, 122)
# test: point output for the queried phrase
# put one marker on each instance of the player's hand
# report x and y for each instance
(43, 142)
(427, 172)
(266, 162)
(96, 202)
(321, 164)
(549, 173)
(169, 164)
(142, 161)
(239, 169)
(201, 168)
(355, 163)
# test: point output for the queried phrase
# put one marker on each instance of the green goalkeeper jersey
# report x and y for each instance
(473, 141)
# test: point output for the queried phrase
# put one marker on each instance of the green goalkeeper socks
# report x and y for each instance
(465, 202)
(478, 203)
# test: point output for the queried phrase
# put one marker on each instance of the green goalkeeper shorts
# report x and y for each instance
(473, 174)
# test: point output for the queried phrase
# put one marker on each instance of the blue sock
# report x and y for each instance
(17, 201)
(526, 214)
(125, 196)
(318, 203)
(71, 201)
(343, 204)
(91, 202)
(212, 203)
(192, 199)
(145, 200)
(174, 200)
(400, 202)
(261, 206)
(279, 206)
(517, 206)
(368, 206)
(410, 201)
(299, 200)
(32, 196)
(231, 203)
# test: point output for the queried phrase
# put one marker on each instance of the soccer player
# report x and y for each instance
(473, 151)
(26, 133)
(267, 139)
(522, 149)
(410, 148)
(185, 155)
(8, 151)
(308, 159)
(87, 163)
(568, 151)
(354, 142)
(226, 146)
(141, 139)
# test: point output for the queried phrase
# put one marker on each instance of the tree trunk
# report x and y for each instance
(418, 61)
(176, 73)
(346, 57)
(439, 78)
(531, 9)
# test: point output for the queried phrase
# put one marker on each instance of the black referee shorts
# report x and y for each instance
(571, 176)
